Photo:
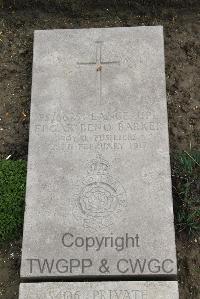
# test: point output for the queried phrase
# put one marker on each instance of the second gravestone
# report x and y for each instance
(98, 199)
(100, 290)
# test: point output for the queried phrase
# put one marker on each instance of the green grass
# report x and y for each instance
(12, 194)
(186, 192)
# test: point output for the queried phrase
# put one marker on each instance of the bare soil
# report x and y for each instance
(9, 270)
(182, 52)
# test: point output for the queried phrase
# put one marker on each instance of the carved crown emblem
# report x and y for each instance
(100, 197)
(98, 166)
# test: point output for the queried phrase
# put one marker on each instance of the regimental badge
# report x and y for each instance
(99, 198)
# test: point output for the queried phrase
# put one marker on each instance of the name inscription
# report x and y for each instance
(101, 131)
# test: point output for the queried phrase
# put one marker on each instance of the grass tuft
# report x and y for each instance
(186, 190)
(12, 194)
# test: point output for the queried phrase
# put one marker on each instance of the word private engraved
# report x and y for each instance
(99, 63)
(100, 198)
(100, 294)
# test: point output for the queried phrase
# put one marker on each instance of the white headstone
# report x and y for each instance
(98, 196)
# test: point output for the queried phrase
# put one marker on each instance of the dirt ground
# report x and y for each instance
(182, 52)
(9, 270)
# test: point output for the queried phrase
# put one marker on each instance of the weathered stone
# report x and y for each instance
(100, 290)
(98, 196)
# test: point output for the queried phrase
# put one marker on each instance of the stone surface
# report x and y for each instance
(98, 196)
(100, 290)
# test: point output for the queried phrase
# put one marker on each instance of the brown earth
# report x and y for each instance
(9, 270)
(182, 52)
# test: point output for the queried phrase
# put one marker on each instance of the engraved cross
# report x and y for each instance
(98, 64)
